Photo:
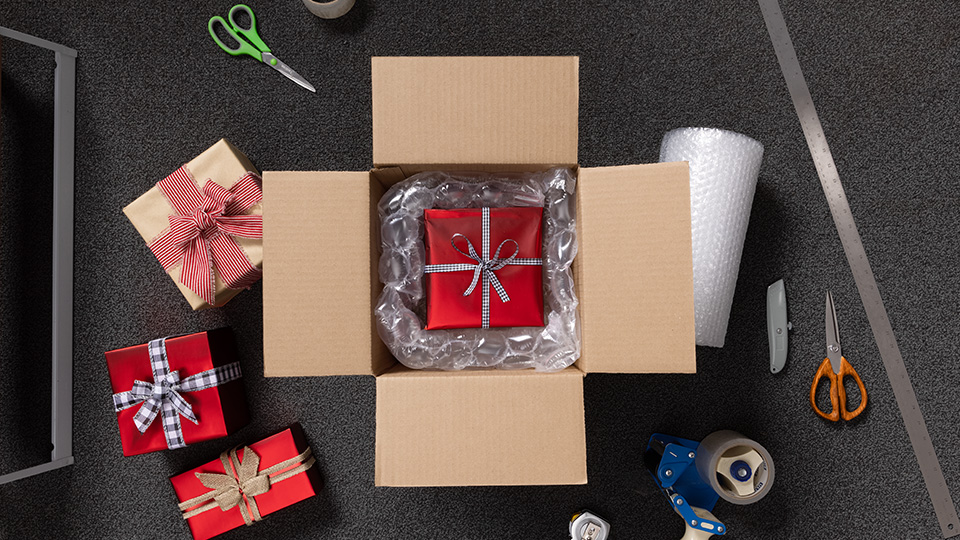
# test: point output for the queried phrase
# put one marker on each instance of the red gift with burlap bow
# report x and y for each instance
(201, 236)
(246, 485)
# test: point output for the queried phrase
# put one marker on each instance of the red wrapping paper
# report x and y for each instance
(446, 305)
(272, 450)
(220, 410)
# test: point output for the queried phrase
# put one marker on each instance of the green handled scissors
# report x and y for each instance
(252, 45)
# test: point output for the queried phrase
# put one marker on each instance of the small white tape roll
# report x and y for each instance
(329, 10)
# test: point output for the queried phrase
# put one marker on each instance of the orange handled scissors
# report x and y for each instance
(834, 367)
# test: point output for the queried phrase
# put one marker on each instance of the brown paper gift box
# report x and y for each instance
(223, 164)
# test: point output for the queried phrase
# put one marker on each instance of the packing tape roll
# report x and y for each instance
(329, 10)
(739, 469)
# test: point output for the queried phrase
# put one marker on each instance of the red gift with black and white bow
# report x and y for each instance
(473, 252)
(177, 391)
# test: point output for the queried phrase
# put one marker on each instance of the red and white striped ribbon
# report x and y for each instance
(200, 233)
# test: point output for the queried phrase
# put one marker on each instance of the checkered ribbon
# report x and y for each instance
(163, 395)
(242, 483)
(483, 270)
(200, 234)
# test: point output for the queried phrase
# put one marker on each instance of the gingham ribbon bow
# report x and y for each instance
(483, 270)
(242, 482)
(163, 395)
(200, 234)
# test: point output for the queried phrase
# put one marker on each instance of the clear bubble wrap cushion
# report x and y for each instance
(400, 310)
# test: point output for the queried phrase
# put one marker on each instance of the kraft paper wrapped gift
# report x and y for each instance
(214, 231)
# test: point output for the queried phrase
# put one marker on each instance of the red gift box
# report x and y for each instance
(288, 483)
(219, 410)
(483, 267)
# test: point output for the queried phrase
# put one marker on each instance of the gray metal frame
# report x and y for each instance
(64, 124)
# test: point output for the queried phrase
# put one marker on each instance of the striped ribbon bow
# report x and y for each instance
(483, 270)
(200, 234)
(242, 483)
(163, 396)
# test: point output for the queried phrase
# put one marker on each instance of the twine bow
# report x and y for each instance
(163, 395)
(483, 270)
(242, 482)
(200, 236)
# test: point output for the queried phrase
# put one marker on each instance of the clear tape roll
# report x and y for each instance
(739, 469)
(329, 10)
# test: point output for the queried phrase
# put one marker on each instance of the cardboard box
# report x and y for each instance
(634, 272)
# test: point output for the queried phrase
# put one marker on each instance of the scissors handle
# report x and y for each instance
(838, 395)
(847, 369)
(249, 33)
(826, 370)
(235, 31)
(242, 46)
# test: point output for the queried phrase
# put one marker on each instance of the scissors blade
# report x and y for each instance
(278, 65)
(833, 334)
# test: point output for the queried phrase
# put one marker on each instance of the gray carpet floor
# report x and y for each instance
(153, 90)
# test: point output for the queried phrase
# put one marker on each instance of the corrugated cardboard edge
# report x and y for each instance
(224, 164)
(634, 270)
(480, 428)
(320, 239)
(449, 110)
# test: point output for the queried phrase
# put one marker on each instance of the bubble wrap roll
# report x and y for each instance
(723, 177)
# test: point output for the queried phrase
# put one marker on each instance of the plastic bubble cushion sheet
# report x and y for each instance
(400, 310)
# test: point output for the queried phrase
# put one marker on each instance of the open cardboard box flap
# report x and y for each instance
(634, 269)
(430, 111)
(487, 427)
(633, 273)
(322, 275)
